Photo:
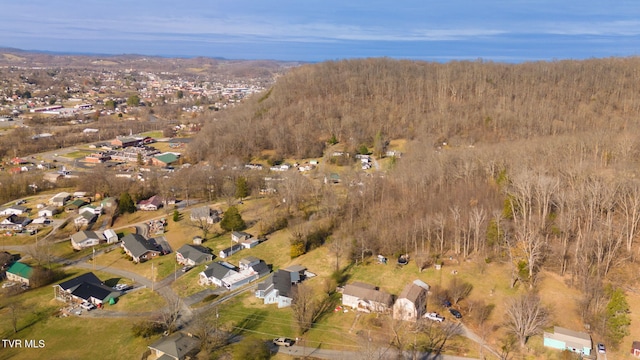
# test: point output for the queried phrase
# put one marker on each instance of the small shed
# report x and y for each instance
(635, 349)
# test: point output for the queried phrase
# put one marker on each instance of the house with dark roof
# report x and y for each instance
(215, 273)
(151, 204)
(412, 302)
(86, 287)
(193, 255)
(6, 259)
(139, 248)
(125, 141)
(75, 205)
(224, 253)
(366, 298)
(19, 272)
(177, 346)
(278, 288)
(14, 222)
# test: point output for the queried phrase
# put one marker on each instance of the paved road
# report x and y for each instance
(466, 332)
(382, 354)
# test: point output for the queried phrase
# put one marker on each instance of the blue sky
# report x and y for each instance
(499, 30)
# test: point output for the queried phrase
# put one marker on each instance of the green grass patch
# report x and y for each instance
(153, 134)
(187, 284)
(138, 301)
(78, 154)
(247, 315)
(67, 338)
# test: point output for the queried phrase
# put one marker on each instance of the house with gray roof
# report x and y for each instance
(193, 255)
(60, 199)
(85, 239)
(366, 298)
(412, 302)
(215, 273)
(205, 213)
(139, 248)
(176, 346)
(85, 219)
(14, 210)
(566, 339)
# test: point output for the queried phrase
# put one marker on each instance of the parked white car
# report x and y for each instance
(87, 306)
(434, 316)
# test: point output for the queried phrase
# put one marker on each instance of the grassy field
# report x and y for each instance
(153, 134)
(78, 154)
(64, 337)
(79, 338)
(162, 265)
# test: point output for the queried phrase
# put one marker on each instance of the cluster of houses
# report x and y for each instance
(18, 216)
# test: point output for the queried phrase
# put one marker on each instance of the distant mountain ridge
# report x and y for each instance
(36, 58)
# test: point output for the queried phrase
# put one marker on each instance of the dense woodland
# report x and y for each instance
(534, 164)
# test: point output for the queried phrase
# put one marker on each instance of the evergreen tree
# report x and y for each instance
(242, 188)
(126, 205)
(133, 100)
(176, 216)
(232, 221)
(617, 318)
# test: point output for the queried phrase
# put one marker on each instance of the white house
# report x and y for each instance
(366, 298)
(85, 239)
(48, 211)
(215, 273)
(111, 236)
(60, 199)
(14, 210)
(412, 302)
(96, 210)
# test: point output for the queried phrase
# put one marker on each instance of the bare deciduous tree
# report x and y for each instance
(525, 317)
(459, 290)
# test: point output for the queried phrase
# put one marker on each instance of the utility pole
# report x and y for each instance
(152, 279)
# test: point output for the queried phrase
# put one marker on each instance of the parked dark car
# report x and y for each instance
(455, 313)
(283, 342)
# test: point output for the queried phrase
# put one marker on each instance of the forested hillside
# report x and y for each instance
(534, 164)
